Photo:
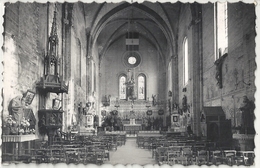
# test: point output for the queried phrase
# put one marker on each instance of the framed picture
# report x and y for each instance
(56, 104)
(175, 119)
(28, 97)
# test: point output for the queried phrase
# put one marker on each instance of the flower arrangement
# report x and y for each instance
(12, 127)
(25, 123)
(24, 126)
(9, 121)
(32, 131)
(9, 125)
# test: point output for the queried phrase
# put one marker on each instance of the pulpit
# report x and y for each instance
(49, 122)
(215, 126)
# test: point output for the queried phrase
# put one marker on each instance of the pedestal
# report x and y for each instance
(244, 142)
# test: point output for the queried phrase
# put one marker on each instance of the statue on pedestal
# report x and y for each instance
(17, 106)
(248, 116)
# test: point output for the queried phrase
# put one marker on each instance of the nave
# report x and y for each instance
(80, 78)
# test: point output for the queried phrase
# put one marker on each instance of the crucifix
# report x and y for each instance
(218, 64)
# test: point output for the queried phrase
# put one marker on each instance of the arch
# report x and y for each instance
(152, 41)
(139, 7)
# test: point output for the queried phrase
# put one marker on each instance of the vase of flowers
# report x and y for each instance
(24, 127)
(9, 125)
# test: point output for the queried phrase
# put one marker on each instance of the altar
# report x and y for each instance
(132, 128)
(13, 148)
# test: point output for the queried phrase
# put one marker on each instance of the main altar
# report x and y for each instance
(132, 128)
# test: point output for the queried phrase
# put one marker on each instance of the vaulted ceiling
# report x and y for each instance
(155, 22)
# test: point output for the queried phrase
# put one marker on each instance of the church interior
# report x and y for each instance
(129, 83)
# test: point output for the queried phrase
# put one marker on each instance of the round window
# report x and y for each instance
(132, 59)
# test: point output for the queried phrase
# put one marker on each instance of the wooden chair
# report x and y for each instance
(228, 157)
(217, 157)
(181, 160)
(91, 157)
(82, 152)
(100, 156)
(139, 141)
(43, 156)
(146, 143)
(161, 155)
(57, 155)
(72, 155)
(113, 147)
(187, 152)
(202, 157)
(171, 155)
(248, 157)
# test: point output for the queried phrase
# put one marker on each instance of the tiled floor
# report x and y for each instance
(131, 154)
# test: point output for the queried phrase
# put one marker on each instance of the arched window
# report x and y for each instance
(185, 62)
(141, 87)
(221, 29)
(78, 61)
(170, 76)
(122, 87)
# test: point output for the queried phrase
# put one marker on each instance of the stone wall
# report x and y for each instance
(238, 67)
(27, 27)
(24, 49)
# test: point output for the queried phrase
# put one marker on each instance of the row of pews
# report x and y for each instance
(90, 149)
(179, 149)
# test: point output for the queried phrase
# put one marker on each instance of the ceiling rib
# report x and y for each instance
(141, 8)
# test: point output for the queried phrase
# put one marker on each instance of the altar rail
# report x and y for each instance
(115, 132)
(148, 132)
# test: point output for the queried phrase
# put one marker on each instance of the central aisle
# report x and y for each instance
(130, 154)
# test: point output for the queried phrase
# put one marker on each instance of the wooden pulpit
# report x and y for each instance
(49, 122)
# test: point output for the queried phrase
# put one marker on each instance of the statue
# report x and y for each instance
(80, 113)
(184, 103)
(130, 87)
(106, 100)
(16, 108)
(169, 105)
(248, 116)
(154, 100)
